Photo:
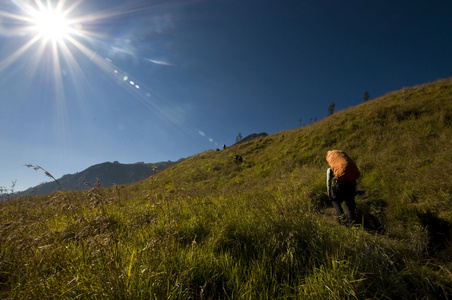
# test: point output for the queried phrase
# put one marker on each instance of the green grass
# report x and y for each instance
(208, 228)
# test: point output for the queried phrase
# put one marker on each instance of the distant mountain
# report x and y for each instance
(108, 174)
(252, 136)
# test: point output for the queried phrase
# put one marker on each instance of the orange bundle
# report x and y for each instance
(344, 168)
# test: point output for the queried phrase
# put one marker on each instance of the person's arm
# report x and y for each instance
(328, 182)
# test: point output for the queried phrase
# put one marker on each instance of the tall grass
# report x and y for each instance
(209, 228)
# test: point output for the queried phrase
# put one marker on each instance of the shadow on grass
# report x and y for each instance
(370, 212)
(439, 231)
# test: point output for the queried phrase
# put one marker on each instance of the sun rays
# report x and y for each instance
(57, 41)
(59, 35)
(42, 27)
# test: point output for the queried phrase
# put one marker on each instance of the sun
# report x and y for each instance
(51, 24)
(45, 29)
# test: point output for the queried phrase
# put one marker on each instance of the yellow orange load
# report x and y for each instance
(344, 168)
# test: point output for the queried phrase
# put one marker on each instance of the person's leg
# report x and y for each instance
(350, 204)
(350, 207)
(340, 216)
(337, 206)
(336, 201)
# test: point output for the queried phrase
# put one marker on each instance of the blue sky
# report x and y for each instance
(149, 81)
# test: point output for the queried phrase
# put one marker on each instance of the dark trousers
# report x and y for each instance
(344, 192)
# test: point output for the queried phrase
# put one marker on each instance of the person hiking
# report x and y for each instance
(341, 185)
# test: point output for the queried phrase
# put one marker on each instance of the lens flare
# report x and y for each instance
(55, 37)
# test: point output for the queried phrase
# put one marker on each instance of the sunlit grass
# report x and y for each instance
(209, 228)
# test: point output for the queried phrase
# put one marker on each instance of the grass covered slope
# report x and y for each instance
(211, 228)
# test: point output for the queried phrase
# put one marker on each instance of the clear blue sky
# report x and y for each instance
(149, 81)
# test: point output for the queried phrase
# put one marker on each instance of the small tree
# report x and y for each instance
(366, 96)
(238, 138)
(331, 108)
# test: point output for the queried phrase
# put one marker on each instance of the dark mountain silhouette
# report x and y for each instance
(252, 137)
(108, 173)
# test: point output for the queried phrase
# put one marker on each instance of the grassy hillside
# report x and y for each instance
(211, 228)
